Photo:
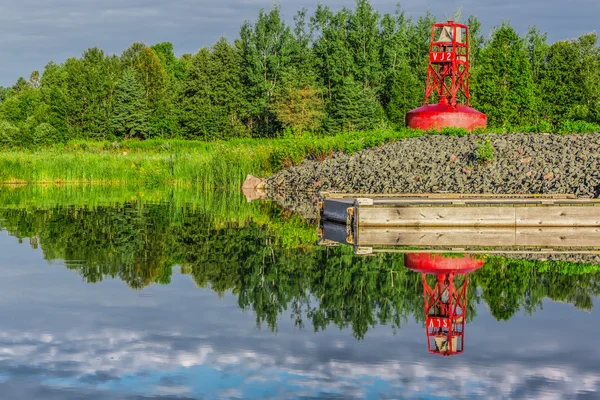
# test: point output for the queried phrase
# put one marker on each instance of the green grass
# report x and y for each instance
(222, 164)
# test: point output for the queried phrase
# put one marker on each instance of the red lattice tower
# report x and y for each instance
(445, 301)
(448, 81)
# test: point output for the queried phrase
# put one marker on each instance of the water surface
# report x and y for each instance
(185, 296)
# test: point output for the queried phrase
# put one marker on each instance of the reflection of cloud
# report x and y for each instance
(130, 362)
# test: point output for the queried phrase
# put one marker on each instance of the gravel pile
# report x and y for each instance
(522, 163)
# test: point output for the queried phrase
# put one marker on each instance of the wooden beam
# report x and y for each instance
(436, 216)
(480, 237)
(558, 216)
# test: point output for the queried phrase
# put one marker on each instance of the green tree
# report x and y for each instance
(131, 115)
(86, 92)
(3, 93)
(299, 109)
(266, 58)
(211, 97)
(174, 67)
(363, 43)
(476, 40)
(10, 135)
(152, 74)
(353, 108)
(589, 51)
(333, 58)
(537, 50)
(503, 85)
(402, 91)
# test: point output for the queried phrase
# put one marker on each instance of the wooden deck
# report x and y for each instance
(461, 211)
(454, 222)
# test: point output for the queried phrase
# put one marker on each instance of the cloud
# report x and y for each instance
(126, 363)
(37, 31)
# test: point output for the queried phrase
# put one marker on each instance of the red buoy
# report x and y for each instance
(437, 264)
(448, 81)
(445, 301)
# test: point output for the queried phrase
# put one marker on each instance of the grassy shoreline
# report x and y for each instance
(222, 164)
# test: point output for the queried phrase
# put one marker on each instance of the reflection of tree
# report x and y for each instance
(270, 274)
(509, 285)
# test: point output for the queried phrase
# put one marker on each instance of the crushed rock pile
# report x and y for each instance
(523, 163)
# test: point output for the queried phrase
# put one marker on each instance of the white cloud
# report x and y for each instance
(120, 353)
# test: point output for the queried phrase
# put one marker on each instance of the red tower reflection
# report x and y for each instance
(446, 300)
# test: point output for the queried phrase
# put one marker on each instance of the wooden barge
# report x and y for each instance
(458, 222)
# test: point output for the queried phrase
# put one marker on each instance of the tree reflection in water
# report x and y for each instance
(272, 271)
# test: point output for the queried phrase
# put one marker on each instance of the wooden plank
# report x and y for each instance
(558, 237)
(436, 216)
(332, 195)
(481, 237)
(525, 251)
(443, 236)
(410, 201)
(557, 216)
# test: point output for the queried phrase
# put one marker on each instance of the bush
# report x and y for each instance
(578, 127)
(485, 151)
(9, 134)
(45, 134)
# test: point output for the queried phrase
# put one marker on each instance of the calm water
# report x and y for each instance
(214, 298)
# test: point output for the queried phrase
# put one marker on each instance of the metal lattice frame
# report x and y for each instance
(445, 314)
(448, 69)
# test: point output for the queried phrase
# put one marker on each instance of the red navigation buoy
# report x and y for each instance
(448, 82)
(437, 264)
(446, 301)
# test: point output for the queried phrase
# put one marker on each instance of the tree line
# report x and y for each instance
(333, 71)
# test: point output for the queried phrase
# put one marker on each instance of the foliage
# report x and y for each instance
(335, 71)
(262, 254)
(9, 134)
(130, 118)
(502, 80)
(484, 151)
(299, 109)
(210, 99)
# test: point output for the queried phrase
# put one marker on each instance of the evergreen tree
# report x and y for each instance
(537, 49)
(87, 86)
(560, 99)
(131, 114)
(476, 40)
(151, 73)
(334, 60)
(589, 69)
(211, 99)
(406, 94)
(266, 58)
(363, 43)
(402, 91)
(3, 93)
(353, 108)
(503, 85)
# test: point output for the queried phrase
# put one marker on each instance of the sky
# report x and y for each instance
(62, 338)
(34, 32)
